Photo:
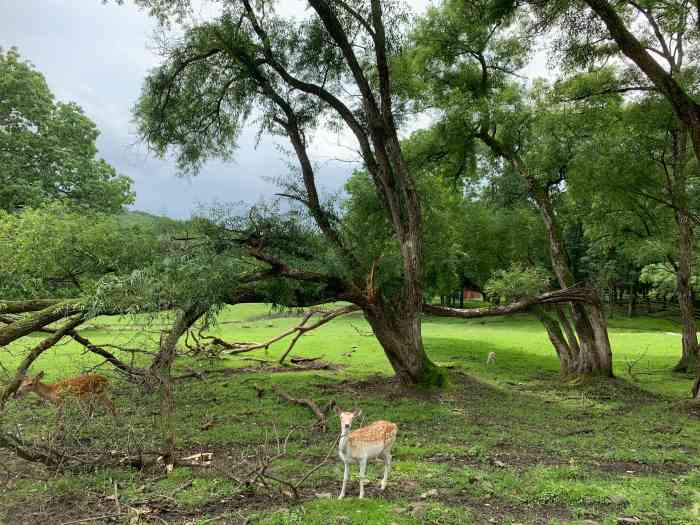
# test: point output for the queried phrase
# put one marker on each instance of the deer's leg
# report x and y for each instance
(363, 468)
(59, 417)
(346, 475)
(107, 402)
(387, 467)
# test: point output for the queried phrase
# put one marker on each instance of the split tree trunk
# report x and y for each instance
(595, 354)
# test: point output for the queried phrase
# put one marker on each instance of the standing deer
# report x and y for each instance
(364, 444)
(87, 387)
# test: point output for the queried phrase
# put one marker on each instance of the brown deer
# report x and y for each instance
(363, 444)
(86, 388)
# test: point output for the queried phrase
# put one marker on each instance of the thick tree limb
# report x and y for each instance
(34, 354)
(685, 107)
(38, 320)
(574, 294)
(20, 307)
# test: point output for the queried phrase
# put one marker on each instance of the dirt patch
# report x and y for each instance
(647, 469)
(315, 366)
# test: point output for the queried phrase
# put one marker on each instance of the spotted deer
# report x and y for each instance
(363, 444)
(86, 388)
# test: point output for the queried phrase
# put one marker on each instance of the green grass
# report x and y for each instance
(503, 443)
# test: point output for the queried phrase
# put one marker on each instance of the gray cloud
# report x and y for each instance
(97, 56)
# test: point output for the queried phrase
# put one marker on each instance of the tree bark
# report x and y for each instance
(161, 375)
(37, 320)
(399, 333)
(678, 189)
(689, 357)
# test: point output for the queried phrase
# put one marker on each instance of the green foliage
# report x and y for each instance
(60, 252)
(517, 282)
(47, 148)
(213, 78)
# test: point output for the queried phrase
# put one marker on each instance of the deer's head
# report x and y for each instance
(346, 418)
(29, 384)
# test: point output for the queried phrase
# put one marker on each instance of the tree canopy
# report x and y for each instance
(47, 148)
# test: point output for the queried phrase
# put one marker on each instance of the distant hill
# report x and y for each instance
(142, 218)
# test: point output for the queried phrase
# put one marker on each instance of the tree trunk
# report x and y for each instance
(567, 354)
(591, 328)
(595, 357)
(160, 374)
(398, 330)
(677, 188)
(632, 303)
(689, 357)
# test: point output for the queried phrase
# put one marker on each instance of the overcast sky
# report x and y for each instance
(97, 56)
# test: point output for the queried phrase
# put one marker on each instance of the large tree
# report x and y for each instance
(295, 75)
(466, 58)
(47, 148)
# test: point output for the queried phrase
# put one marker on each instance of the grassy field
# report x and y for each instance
(505, 443)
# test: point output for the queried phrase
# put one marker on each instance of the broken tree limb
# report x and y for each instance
(31, 305)
(325, 318)
(89, 346)
(200, 374)
(299, 330)
(573, 294)
(37, 320)
(109, 357)
(34, 354)
(25, 451)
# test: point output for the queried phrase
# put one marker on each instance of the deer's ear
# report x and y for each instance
(39, 376)
(357, 412)
(338, 410)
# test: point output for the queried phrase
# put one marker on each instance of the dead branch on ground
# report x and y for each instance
(321, 422)
(298, 331)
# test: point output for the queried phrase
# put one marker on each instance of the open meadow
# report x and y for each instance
(505, 443)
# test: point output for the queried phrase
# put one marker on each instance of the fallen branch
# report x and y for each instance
(28, 453)
(299, 330)
(37, 320)
(20, 307)
(308, 403)
(89, 346)
(328, 316)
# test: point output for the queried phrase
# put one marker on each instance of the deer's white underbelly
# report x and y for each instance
(367, 451)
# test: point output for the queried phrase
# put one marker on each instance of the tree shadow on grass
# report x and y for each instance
(539, 374)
